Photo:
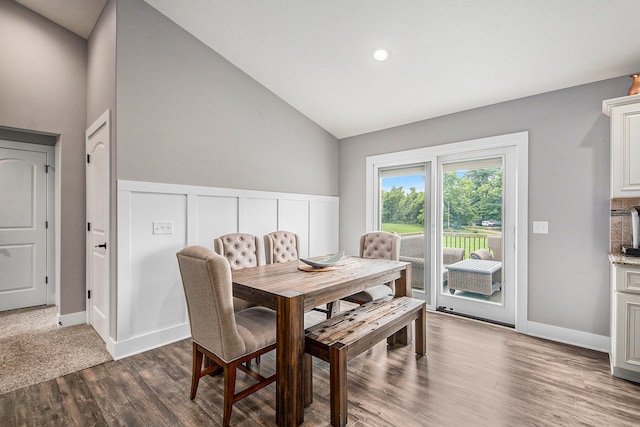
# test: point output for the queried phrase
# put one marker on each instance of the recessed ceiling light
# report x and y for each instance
(381, 55)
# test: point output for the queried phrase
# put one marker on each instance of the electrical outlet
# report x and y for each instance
(541, 227)
(162, 227)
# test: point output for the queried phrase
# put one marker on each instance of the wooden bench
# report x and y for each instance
(341, 338)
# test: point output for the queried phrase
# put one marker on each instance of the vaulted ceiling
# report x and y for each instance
(444, 56)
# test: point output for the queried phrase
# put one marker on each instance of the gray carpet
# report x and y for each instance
(33, 349)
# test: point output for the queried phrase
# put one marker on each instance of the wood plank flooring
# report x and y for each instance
(474, 374)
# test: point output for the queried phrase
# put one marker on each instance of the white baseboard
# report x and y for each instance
(569, 336)
(142, 343)
(66, 320)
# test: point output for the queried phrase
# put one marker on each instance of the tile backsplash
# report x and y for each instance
(620, 234)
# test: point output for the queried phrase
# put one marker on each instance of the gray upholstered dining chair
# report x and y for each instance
(377, 245)
(281, 246)
(284, 246)
(227, 338)
(241, 250)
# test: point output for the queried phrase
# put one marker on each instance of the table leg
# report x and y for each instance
(290, 360)
(403, 288)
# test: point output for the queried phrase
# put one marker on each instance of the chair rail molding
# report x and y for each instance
(156, 220)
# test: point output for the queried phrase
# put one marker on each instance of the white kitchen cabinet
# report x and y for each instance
(625, 145)
(625, 322)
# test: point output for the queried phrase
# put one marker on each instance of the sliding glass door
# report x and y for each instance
(475, 272)
(403, 211)
(461, 209)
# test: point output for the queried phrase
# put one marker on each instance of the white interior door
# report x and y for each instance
(98, 214)
(23, 233)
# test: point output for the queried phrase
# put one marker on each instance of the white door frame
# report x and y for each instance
(504, 312)
(53, 295)
(519, 238)
(103, 120)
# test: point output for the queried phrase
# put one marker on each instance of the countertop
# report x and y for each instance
(624, 260)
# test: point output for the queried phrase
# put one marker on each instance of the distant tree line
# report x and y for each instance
(472, 197)
(468, 199)
(399, 207)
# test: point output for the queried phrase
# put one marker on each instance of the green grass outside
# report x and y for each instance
(403, 228)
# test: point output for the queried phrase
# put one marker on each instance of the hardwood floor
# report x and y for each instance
(474, 374)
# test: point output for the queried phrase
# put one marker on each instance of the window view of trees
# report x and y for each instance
(472, 197)
(399, 207)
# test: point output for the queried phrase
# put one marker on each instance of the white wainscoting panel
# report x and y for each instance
(157, 296)
(215, 216)
(293, 215)
(150, 307)
(260, 216)
(323, 225)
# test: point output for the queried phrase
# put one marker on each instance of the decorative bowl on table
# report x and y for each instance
(324, 262)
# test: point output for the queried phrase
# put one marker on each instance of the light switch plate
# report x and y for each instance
(162, 227)
(541, 227)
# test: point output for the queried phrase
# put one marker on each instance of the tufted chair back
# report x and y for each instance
(281, 246)
(377, 245)
(380, 245)
(206, 278)
(240, 249)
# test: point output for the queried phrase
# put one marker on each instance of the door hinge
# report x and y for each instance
(88, 158)
(46, 225)
(46, 168)
(46, 280)
(89, 294)
(88, 226)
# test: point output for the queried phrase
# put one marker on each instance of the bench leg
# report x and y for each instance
(338, 385)
(421, 332)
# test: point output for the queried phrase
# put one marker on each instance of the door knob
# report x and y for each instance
(104, 245)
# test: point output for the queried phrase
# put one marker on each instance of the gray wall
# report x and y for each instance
(188, 116)
(101, 66)
(43, 89)
(568, 186)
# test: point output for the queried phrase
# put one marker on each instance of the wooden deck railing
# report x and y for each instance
(469, 241)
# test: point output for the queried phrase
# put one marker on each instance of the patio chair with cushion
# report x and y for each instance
(412, 250)
(481, 254)
(450, 256)
(494, 243)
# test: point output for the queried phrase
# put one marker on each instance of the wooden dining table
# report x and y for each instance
(292, 292)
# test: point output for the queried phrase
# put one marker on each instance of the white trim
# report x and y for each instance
(139, 344)
(123, 287)
(164, 188)
(569, 336)
(609, 104)
(66, 320)
(520, 141)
